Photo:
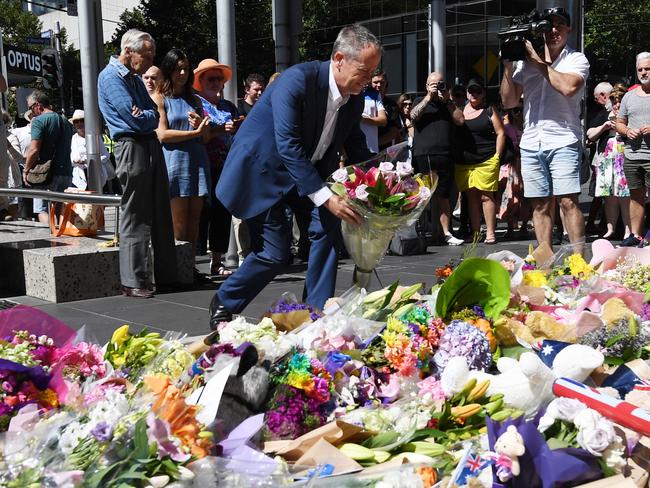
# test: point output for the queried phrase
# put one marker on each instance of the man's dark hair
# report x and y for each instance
(379, 72)
(40, 97)
(252, 78)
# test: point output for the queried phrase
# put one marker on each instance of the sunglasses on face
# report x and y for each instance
(407, 104)
(212, 79)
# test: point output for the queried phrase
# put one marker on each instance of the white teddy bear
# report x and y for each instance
(526, 384)
(508, 447)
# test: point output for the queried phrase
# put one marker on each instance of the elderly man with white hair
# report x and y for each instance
(633, 122)
(132, 119)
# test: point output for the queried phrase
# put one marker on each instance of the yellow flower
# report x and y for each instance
(578, 266)
(120, 335)
(394, 325)
(535, 278)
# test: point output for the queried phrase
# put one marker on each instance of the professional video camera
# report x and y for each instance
(525, 27)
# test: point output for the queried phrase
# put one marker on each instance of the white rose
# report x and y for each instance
(560, 409)
(598, 437)
(340, 175)
(361, 192)
(386, 167)
(587, 419)
(404, 168)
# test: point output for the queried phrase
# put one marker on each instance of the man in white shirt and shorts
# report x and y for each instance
(551, 149)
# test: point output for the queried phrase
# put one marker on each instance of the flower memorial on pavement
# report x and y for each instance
(509, 371)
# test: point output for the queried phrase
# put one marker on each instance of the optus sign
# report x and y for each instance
(22, 60)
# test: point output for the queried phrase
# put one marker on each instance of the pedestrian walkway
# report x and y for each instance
(188, 311)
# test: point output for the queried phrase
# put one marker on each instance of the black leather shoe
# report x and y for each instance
(218, 313)
(136, 292)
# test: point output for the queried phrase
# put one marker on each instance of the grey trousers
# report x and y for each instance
(146, 213)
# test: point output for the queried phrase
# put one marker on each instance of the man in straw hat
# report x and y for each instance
(281, 155)
(132, 119)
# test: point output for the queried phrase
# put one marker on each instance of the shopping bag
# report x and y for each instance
(78, 219)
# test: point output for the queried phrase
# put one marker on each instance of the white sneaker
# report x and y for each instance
(453, 241)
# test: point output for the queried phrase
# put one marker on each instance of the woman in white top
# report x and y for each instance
(79, 159)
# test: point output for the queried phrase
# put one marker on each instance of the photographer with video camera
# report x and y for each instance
(551, 81)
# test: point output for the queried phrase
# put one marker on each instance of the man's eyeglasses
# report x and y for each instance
(31, 107)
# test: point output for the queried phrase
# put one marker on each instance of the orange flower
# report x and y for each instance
(444, 272)
(428, 475)
(171, 407)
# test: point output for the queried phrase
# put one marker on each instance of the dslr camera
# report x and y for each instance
(531, 27)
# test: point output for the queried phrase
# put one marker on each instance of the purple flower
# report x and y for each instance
(645, 312)
(463, 339)
(158, 432)
(102, 432)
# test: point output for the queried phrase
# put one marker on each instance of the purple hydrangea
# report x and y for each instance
(466, 340)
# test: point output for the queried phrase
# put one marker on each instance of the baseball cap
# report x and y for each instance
(475, 82)
(559, 12)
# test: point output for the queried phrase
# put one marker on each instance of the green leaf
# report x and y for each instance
(396, 198)
(381, 440)
(476, 281)
(338, 189)
(140, 440)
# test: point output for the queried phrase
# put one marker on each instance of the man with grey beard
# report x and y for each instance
(633, 122)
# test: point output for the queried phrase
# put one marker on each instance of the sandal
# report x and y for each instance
(220, 270)
(490, 242)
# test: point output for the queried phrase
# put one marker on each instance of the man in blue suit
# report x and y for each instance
(282, 154)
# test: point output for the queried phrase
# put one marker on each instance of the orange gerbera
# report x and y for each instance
(171, 407)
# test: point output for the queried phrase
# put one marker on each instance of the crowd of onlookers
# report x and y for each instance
(519, 159)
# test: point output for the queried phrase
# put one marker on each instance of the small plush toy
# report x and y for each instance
(509, 446)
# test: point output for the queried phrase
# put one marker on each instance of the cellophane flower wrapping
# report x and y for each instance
(388, 195)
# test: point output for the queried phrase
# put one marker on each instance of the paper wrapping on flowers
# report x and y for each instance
(388, 195)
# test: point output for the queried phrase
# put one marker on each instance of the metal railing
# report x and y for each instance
(59, 196)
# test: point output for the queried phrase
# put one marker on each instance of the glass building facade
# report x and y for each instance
(472, 46)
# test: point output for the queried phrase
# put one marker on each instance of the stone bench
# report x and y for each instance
(66, 269)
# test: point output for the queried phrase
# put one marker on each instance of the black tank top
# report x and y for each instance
(477, 139)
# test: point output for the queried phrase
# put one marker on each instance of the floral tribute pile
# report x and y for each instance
(510, 371)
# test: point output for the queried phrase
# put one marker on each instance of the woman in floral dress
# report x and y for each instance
(611, 183)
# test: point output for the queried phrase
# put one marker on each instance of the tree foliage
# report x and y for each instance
(615, 31)
(17, 25)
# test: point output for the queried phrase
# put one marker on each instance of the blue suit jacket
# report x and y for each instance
(271, 152)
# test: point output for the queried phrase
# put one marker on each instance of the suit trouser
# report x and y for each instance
(4, 164)
(146, 213)
(270, 234)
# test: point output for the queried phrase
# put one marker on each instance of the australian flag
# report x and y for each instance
(472, 467)
(548, 349)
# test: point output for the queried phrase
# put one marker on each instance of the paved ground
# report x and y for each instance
(188, 311)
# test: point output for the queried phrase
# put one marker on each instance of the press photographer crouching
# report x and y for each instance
(551, 82)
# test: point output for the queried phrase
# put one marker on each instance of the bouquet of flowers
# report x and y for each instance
(386, 192)
(302, 398)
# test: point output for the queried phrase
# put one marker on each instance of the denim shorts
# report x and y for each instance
(58, 183)
(551, 172)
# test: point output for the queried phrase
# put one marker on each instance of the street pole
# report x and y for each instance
(281, 30)
(3, 62)
(90, 38)
(437, 37)
(57, 46)
(227, 49)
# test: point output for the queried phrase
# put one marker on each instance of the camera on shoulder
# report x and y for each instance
(531, 27)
